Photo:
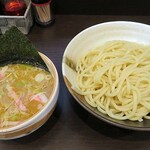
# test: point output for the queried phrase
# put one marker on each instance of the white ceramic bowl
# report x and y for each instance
(40, 118)
(93, 37)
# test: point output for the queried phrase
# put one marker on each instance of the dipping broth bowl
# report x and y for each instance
(35, 122)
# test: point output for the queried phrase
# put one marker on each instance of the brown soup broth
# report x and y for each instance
(24, 91)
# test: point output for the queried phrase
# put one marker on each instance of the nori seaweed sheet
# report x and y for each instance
(15, 47)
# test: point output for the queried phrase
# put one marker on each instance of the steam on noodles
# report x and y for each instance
(24, 91)
(115, 78)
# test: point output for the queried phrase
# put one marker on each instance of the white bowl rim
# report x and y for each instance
(104, 24)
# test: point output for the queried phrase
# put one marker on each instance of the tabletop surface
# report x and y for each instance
(71, 127)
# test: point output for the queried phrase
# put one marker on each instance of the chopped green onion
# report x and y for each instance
(20, 84)
(15, 117)
(39, 77)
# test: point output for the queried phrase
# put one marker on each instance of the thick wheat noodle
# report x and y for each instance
(115, 78)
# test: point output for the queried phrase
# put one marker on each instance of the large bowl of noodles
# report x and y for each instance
(45, 101)
(106, 68)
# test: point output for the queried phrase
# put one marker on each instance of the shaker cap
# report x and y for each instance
(39, 1)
